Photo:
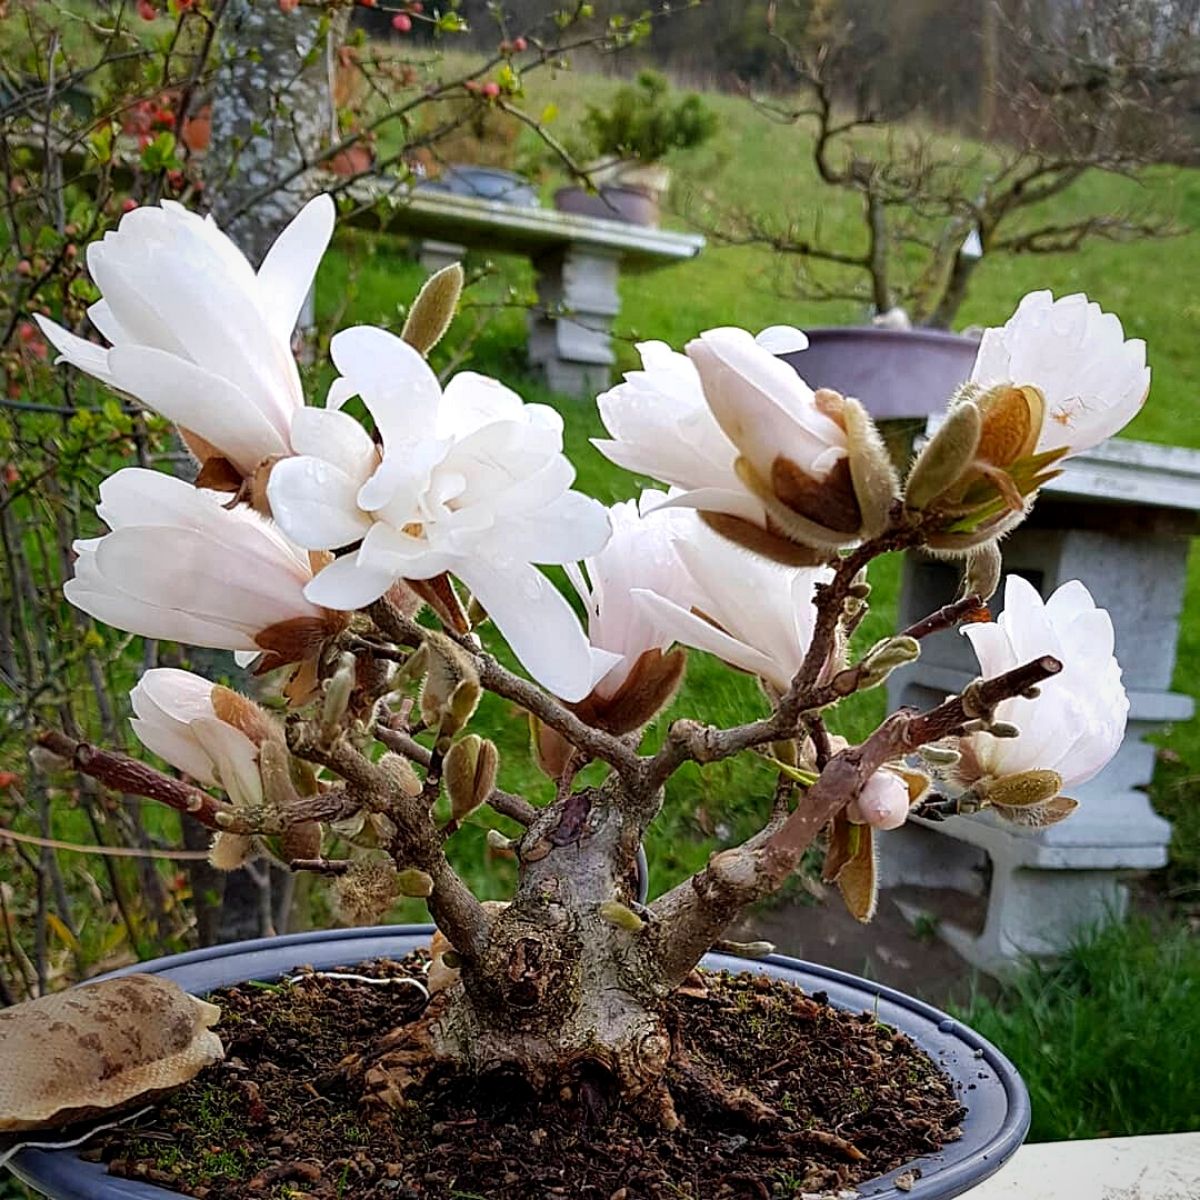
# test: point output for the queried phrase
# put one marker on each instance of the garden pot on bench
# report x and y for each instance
(996, 1102)
(901, 376)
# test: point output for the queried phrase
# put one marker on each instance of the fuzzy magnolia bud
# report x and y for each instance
(401, 773)
(412, 881)
(470, 774)
(1020, 790)
(229, 851)
(981, 575)
(301, 841)
(946, 456)
(451, 691)
(279, 790)
(620, 915)
(365, 893)
(746, 949)
(871, 469)
(337, 694)
(434, 308)
(884, 657)
(940, 756)
(499, 842)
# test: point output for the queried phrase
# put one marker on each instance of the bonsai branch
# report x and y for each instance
(688, 919)
(134, 778)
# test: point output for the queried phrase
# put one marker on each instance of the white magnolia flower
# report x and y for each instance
(1093, 380)
(641, 553)
(181, 718)
(1076, 723)
(180, 566)
(661, 425)
(753, 613)
(196, 334)
(471, 481)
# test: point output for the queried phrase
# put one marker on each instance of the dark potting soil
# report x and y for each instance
(778, 1094)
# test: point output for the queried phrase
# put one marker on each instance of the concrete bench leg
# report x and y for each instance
(1035, 913)
(433, 256)
(570, 332)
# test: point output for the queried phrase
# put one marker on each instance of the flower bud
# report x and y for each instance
(337, 694)
(470, 774)
(301, 841)
(871, 469)
(365, 893)
(746, 949)
(498, 842)
(434, 308)
(451, 690)
(885, 656)
(621, 916)
(946, 456)
(981, 575)
(412, 881)
(401, 772)
(1020, 790)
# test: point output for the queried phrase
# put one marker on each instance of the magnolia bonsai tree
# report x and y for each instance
(364, 553)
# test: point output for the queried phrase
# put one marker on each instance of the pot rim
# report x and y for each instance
(834, 333)
(996, 1123)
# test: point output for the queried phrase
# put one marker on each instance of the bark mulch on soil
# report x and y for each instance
(779, 1094)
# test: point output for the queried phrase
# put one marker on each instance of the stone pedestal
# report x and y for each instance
(570, 330)
(1120, 519)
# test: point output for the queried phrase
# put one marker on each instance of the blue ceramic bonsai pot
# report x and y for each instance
(995, 1098)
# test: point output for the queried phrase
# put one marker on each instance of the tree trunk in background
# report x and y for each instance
(272, 112)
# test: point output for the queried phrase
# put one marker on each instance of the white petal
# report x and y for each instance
(471, 401)
(207, 405)
(394, 381)
(235, 760)
(337, 438)
(571, 527)
(539, 625)
(782, 339)
(288, 271)
(316, 504)
(346, 584)
(679, 625)
(87, 356)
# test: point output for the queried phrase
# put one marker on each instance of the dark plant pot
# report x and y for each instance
(896, 373)
(996, 1100)
(610, 203)
(485, 183)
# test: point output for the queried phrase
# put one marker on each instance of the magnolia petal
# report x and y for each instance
(87, 356)
(235, 760)
(126, 612)
(538, 624)
(287, 273)
(679, 625)
(395, 382)
(782, 339)
(199, 401)
(348, 584)
(571, 527)
(337, 438)
(316, 503)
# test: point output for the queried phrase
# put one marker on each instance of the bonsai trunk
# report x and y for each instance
(560, 988)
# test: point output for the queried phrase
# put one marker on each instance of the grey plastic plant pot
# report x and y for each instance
(895, 373)
(995, 1098)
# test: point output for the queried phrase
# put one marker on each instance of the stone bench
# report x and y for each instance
(577, 261)
(1121, 519)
